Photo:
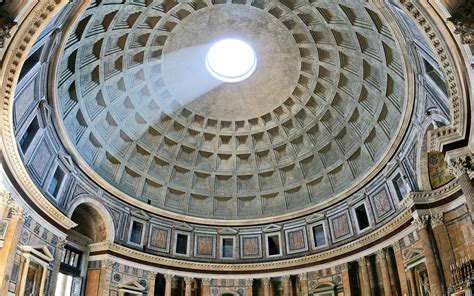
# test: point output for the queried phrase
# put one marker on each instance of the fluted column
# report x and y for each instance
(400, 267)
(381, 258)
(188, 282)
(150, 282)
(266, 286)
(206, 287)
(445, 251)
(421, 223)
(411, 276)
(372, 284)
(303, 279)
(56, 265)
(248, 287)
(168, 283)
(346, 279)
(285, 284)
(364, 277)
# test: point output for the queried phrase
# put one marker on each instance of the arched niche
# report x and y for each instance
(93, 220)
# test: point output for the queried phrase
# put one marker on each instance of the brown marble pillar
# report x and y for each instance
(285, 284)
(382, 260)
(150, 282)
(56, 265)
(168, 284)
(248, 287)
(206, 287)
(402, 277)
(411, 276)
(188, 286)
(10, 243)
(372, 283)
(445, 251)
(364, 277)
(346, 279)
(303, 280)
(266, 286)
(105, 276)
(421, 223)
(391, 272)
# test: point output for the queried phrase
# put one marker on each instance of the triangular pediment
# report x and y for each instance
(40, 252)
(183, 226)
(272, 227)
(133, 286)
(67, 161)
(315, 218)
(228, 230)
(140, 215)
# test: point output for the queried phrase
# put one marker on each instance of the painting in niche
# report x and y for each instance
(250, 246)
(158, 238)
(205, 245)
(381, 202)
(341, 226)
(296, 240)
(438, 170)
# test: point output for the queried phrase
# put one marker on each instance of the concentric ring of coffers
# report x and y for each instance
(338, 110)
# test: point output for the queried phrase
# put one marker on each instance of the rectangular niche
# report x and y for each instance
(181, 244)
(362, 217)
(318, 233)
(273, 243)
(136, 233)
(227, 247)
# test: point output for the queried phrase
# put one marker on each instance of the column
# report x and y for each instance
(188, 282)
(400, 267)
(266, 286)
(10, 242)
(421, 224)
(303, 279)
(285, 284)
(151, 282)
(105, 276)
(411, 275)
(364, 277)
(25, 264)
(169, 280)
(248, 287)
(345, 279)
(56, 265)
(205, 287)
(391, 272)
(445, 251)
(460, 167)
(381, 258)
(372, 283)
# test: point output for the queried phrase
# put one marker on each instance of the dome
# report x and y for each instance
(319, 117)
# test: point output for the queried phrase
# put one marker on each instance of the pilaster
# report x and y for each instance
(400, 267)
(303, 280)
(285, 283)
(206, 287)
(381, 258)
(346, 279)
(364, 277)
(168, 284)
(421, 224)
(266, 286)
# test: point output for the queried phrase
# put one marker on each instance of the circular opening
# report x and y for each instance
(231, 60)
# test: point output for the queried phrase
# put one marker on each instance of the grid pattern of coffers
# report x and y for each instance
(324, 138)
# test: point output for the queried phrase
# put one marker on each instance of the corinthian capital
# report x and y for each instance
(362, 261)
(266, 281)
(380, 254)
(303, 276)
(460, 165)
(436, 220)
(421, 222)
